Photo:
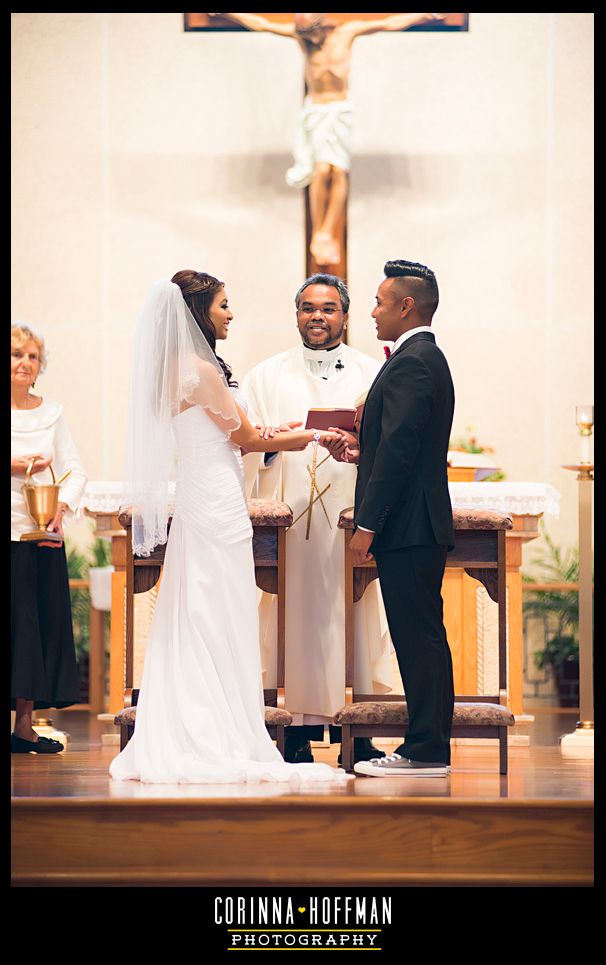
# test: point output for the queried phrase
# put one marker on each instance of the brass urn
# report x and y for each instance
(41, 501)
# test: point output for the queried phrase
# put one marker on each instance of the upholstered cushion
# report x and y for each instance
(273, 715)
(480, 519)
(395, 712)
(346, 518)
(125, 517)
(269, 512)
(461, 519)
(262, 512)
(126, 716)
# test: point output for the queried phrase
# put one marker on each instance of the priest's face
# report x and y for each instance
(320, 317)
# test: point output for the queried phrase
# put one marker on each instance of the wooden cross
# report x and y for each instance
(326, 41)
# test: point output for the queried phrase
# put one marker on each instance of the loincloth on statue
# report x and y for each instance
(323, 135)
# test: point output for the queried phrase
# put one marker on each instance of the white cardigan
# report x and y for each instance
(43, 430)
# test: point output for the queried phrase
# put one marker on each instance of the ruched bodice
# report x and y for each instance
(210, 496)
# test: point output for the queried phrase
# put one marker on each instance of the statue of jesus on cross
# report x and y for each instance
(322, 149)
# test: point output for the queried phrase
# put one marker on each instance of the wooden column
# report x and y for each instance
(586, 715)
(96, 662)
(107, 524)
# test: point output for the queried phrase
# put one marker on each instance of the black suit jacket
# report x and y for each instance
(402, 485)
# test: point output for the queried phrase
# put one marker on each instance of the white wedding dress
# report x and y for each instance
(200, 712)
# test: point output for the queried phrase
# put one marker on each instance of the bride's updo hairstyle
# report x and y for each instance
(199, 290)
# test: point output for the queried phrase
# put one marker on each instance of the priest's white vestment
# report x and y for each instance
(282, 389)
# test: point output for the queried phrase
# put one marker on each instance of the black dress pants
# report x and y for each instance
(313, 732)
(411, 583)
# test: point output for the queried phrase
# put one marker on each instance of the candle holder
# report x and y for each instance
(580, 742)
(585, 424)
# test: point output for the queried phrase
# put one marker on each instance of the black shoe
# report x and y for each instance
(44, 745)
(364, 750)
(298, 753)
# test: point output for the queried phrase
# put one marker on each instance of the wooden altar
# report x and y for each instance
(469, 615)
(468, 621)
(108, 525)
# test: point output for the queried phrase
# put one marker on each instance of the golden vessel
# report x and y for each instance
(41, 502)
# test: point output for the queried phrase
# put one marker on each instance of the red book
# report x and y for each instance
(325, 418)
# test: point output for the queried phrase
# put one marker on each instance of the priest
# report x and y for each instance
(322, 372)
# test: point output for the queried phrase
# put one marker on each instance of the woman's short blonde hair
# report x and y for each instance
(21, 334)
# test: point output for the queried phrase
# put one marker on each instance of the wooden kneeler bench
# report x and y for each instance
(270, 520)
(480, 549)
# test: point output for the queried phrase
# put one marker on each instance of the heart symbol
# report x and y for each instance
(302, 910)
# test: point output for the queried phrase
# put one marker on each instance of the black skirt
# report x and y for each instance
(43, 667)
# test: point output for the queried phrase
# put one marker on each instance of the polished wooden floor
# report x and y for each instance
(533, 826)
(537, 770)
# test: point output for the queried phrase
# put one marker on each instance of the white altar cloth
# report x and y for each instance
(520, 498)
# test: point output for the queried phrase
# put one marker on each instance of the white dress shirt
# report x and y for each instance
(406, 335)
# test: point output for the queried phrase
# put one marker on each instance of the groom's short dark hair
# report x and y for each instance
(418, 281)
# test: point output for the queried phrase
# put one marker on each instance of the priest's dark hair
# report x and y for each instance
(418, 281)
(198, 290)
(333, 281)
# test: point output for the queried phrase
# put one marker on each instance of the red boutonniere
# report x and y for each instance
(387, 351)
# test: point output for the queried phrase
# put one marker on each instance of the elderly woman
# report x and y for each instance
(44, 672)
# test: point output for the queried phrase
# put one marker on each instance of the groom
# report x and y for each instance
(403, 515)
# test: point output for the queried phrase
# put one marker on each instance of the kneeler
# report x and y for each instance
(270, 520)
(479, 548)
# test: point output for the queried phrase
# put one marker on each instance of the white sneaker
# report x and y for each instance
(397, 766)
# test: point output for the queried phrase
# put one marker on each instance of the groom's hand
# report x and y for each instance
(360, 547)
(343, 446)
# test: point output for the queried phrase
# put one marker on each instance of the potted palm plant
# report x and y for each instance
(560, 610)
(78, 567)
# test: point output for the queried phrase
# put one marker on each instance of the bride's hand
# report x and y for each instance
(268, 432)
(329, 439)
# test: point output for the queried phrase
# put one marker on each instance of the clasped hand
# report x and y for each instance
(327, 438)
(268, 432)
(346, 446)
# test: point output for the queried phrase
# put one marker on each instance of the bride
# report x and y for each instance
(200, 715)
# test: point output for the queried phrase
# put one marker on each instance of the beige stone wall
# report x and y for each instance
(139, 149)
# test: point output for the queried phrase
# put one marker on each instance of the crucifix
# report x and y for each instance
(322, 148)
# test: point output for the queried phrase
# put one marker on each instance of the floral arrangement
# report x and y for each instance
(471, 444)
